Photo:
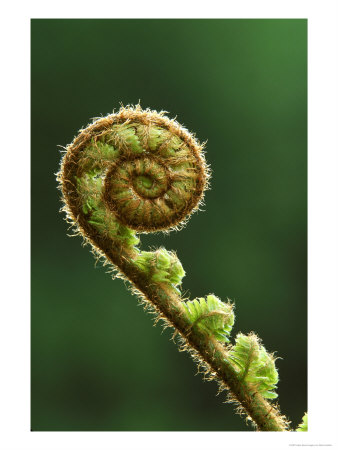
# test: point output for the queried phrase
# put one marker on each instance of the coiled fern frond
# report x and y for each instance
(137, 171)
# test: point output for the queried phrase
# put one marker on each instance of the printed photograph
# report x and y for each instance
(169, 225)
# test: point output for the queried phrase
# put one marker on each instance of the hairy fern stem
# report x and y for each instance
(136, 171)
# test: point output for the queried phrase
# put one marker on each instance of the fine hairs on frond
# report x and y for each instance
(137, 171)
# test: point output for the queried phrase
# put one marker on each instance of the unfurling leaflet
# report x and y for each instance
(136, 171)
(255, 365)
(212, 316)
(303, 426)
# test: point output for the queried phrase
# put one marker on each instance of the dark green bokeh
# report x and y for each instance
(97, 361)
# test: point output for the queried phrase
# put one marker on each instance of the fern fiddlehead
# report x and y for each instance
(136, 171)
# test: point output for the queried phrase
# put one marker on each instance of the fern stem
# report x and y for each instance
(265, 416)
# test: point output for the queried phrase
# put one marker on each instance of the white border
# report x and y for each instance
(323, 224)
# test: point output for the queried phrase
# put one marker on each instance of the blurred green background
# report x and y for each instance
(97, 361)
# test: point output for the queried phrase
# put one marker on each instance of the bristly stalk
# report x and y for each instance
(136, 171)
